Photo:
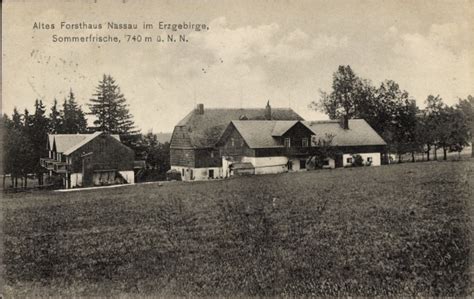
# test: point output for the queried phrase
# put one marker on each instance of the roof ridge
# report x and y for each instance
(248, 108)
(84, 141)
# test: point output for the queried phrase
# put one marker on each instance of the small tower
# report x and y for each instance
(268, 111)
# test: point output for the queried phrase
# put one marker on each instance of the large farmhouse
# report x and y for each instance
(83, 160)
(220, 143)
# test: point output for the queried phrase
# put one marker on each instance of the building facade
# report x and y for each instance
(219, 143)
(85, 160)
(193, 150)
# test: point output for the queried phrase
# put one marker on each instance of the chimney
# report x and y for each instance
(200, 109)
(345, 122)
(268, 111)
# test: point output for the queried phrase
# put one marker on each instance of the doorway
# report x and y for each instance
(303, 164)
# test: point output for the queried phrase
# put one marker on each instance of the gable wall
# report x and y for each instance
(238, 148)
(108, 153)
(180, 138)
(296, 135)
(182, 157)
(207, 158)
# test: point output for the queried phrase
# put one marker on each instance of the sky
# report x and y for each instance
(282, 51)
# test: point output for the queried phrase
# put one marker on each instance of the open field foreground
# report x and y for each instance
(389, 230)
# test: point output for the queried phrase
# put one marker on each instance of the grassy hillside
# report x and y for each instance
(399, 229)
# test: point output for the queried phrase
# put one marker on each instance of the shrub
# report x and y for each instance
(357, 161)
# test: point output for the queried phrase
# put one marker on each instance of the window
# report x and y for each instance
(349, 160)
(369, 159)
(287, 142)
(212, 154)
(182, 170)
(232, 142)
(326, 162)
(304, 142)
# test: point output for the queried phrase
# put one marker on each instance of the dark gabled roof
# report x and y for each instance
(281, 127)
(260, 133)
(359, 132)
(205, 129)
(68, 143)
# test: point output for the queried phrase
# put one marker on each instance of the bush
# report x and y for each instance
(357, 161)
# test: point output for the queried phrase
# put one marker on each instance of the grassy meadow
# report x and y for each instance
(390, 230)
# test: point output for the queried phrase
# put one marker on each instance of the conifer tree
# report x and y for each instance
(16, 119)
(109, 107)
(55, 122)
(38, 136)
(72, 117)
(16, 149)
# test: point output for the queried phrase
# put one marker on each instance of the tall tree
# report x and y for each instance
(467, 108)
(55, 122)
(434, 112)
(38, 135)
(341, 102)
(73, 118)
(388, 109)
(395, 118)
(16, 119)
(404, 127)
(17, 149)
(110, 108)
(459, 130)
(155, 153)
(423, 135)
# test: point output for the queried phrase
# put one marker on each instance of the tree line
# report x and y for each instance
(394, 115)
(25, 134)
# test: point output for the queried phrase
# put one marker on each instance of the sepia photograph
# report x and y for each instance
(237, 149)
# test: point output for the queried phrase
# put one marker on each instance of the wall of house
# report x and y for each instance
(182, 157)
(180, 138)
(362, 149)
(207, 158)
(296, 134)
(76, 180)
(295, 164)
(196, 174)
(376, 158)
(107, 153)
(104, 178)
(128, 175)
(265, 165)
(234, 144)
(181, 149)
(225, 166)
(331, 164)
